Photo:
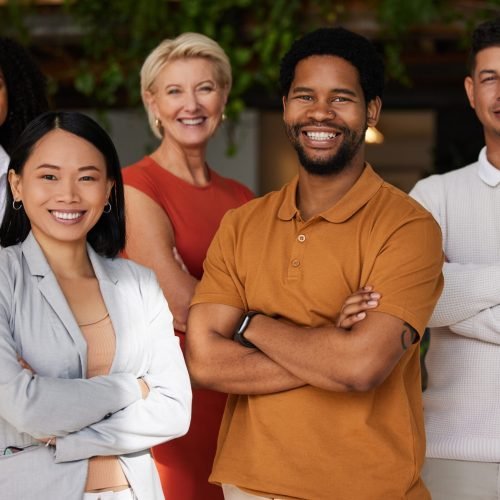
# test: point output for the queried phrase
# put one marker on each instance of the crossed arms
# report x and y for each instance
(470, 303)
(332, 357)
(104, 415)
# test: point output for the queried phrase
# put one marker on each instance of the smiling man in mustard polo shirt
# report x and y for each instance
(316, 411)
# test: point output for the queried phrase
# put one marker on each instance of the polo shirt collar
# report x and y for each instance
(288, 208)
(357, 197)
(487, 172)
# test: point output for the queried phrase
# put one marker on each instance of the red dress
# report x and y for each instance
(195, 212)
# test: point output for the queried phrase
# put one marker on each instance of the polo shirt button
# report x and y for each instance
(108, 415)
(301, 238)
(295, 263)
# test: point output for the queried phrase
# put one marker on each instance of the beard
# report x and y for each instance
(335, 163)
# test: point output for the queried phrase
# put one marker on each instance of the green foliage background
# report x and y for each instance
(118, 34)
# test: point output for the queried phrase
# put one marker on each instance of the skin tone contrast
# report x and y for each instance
(483, 92)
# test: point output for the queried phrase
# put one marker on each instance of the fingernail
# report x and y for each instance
(375, 295)
(360, 315)
(372, 303)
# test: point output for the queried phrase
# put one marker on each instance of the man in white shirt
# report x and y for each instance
(462, 400)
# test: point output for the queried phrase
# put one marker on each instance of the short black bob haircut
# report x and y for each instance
(354, 48)
(26, 90)
(107, 237)
(485, 35)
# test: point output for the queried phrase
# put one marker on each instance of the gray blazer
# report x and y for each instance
(104, 415)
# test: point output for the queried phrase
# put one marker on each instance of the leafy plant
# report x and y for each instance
(117, 35)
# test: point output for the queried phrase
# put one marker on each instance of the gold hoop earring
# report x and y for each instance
(107, 208)
(17, 207)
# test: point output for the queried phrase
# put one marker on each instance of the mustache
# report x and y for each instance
(297, 127)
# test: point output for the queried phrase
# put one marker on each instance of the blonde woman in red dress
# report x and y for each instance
(175, 202)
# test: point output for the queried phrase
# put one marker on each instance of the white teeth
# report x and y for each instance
(192, 121)
(321, 136)
(67, 215)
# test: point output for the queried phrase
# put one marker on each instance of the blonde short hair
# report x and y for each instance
(187, 45)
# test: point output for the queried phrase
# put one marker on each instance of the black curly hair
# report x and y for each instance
(354, 48)
(485, 35)
(26, 90)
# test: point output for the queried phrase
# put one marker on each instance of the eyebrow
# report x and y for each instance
(80, 169)
(487, 72)
(199, 83)
(339, 90)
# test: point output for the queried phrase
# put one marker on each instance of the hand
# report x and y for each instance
(178, 259)
(24, 364)
(48, 441)
(180, 327)
(355, 307)
(144, 387)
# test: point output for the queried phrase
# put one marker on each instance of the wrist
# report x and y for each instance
(241, 329)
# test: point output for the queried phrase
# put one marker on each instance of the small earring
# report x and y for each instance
(224, 117)
(17, 207)
(159, 126)
(107, 208)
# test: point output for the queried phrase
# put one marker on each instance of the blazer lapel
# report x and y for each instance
(50, 289)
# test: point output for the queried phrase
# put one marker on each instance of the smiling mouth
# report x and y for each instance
(192, 121)
(66, 215)
(321, 136)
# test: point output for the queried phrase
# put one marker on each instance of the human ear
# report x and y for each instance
(110, 186)
(469, 90)
(373, 111)
(15, 185)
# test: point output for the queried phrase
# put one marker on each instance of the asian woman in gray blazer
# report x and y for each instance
(91, 374)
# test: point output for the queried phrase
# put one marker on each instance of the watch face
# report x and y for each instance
(239, 334)
(244, 323)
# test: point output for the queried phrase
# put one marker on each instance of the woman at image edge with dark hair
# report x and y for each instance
(23, 96)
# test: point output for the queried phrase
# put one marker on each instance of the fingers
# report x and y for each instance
(359, 307)
(180, 327)
(178, 258)
(362, 295)
(144, 387)
(356, 305)
(23, 364)
(347, 322)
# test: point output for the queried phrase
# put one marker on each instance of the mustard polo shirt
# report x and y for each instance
(310, 443)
